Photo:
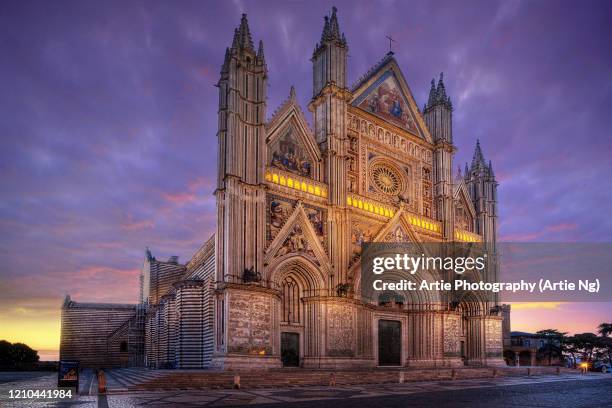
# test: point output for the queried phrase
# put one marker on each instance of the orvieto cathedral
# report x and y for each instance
(278, 283)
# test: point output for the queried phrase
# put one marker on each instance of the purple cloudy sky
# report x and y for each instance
(108, 121)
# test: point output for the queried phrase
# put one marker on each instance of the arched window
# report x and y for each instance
(291, 301)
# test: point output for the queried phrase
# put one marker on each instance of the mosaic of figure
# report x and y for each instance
(317, 218)
(386, 101)
(278, 212)
(287, 154)
(361, 233)
(463, 220)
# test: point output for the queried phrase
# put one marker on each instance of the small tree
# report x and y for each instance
(586, 345)
(605, 329)
(5, 354)
(554, 342)
(16, 356)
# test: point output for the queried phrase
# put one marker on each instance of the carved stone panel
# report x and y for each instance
(249, 323)
(493, 333)
(451, 335)
(362, 231)
(340, 330)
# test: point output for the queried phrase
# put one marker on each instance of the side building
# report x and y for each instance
(171, 327)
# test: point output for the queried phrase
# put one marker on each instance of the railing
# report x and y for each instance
(371, 206)
(466, 236)
(424, 223)
(297, 183)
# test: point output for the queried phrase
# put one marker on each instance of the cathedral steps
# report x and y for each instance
(141, 379)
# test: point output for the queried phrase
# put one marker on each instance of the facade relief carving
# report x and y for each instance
(296, 243)
(341, 341)
(381, 135)
(249, 324)
(493, 333)
(362, 231)
(397, 234)
(451, 336)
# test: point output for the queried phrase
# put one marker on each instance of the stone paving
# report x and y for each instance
(362, 395)
(324, 395)
(44, 381)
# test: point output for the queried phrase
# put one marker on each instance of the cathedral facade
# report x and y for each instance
(278, 283)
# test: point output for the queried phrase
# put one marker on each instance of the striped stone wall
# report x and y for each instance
(179, 329)
(86, 328)
(158, 278)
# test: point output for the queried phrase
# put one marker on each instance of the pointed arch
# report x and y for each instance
(302, 270)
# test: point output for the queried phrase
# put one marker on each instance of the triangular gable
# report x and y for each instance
(398, 230)
(291, 144)
(384, 92)
(464, 210)
(298, 237)
(461, 194)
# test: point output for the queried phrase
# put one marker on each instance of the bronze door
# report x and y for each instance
(290, 349)
(389, 343)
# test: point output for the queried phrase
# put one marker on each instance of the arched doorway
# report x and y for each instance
(470, 307)
(292, 318)
(295, 279)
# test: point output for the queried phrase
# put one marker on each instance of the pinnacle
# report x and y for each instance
(437, 94)
(478, 158)
(331, 30)
(260, 51)
(242, 35)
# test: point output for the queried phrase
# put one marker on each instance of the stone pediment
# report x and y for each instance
(384, 93)
(291, 144)
(298, 237)
(465, 212)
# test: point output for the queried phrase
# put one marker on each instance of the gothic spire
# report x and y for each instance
(236, 39)
(334, 27)
(437, 94)
(491, 174)
(242, 35)
(466, 171)
(325, 34)
(331, 31)
(432, 94)
(478, 158)
(260, 52)
(441, 90)
(226, 60)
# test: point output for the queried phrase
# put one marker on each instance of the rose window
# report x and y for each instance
(386, 179)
